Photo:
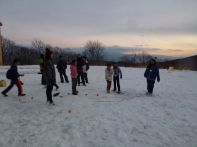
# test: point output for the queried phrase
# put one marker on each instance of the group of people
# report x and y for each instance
(78, 69)
(115, 74)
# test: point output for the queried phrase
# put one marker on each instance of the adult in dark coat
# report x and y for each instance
(80, 63)
(151, 73)
(61, 67)
(13, 75)
(49, 72)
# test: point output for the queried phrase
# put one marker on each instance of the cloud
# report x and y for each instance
(74, 21)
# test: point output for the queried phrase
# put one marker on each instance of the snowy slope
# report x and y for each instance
(97, 119)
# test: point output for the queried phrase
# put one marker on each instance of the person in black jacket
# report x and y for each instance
(61, 67)
(49, 72)
(13, 75)
(80, 63)
(151, 73)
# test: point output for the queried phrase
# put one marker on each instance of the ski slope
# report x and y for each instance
(94, 118)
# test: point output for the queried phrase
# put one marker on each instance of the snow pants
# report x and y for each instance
(108, 85)
(74, 85)
(18, 83)
(116, 81)
(85, 75)
(150, 85)
(80, 75)
(49, 93)
(63, 77)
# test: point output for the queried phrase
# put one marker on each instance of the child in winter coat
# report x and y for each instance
(151, 73)
(108, 77)
(13, 75)
(116, 77)
(74, 74)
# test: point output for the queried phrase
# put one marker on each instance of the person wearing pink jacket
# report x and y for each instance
(74, 74)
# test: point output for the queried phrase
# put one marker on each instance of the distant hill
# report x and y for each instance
(184, 63)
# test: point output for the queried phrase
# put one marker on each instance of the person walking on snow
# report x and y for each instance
(13, 75)
(108, 77)
(151, 73)
(74, 74)
(49, 72)
(62, 66)
(116, 77)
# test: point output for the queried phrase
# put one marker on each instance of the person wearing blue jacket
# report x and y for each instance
(151, 73)
(117, 74)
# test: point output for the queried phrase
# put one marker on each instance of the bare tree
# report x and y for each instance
(38, 45)
(94, 50)
(8, 50)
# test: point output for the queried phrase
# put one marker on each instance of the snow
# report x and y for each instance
(94, 118)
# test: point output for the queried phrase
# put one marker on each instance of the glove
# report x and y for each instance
(158, 80)
(121, 77)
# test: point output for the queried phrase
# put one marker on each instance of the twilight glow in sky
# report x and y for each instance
(168, 25)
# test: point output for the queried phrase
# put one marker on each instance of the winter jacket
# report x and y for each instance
(84, 68)
(108, 74)
(73, 70)
(13, 73)
(80, 63)
(61, 66)
(49, 72)
(117, 72)
(152, 72)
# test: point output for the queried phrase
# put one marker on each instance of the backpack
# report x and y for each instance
(9, 74)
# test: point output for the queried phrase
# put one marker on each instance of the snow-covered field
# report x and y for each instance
(97, 119)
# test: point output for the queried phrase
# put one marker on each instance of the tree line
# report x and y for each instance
(93, 50)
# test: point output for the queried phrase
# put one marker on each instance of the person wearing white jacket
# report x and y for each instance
(108, 77)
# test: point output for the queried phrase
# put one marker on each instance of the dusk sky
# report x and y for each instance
(170, 26)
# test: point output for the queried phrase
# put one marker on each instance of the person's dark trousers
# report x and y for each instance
(63, 76)
(85, 75)
(12, 83)
(43, 80)
(108, 85)
(74, 85)
(80, 75)
(150, 85)
(49, 93)
(116, 82)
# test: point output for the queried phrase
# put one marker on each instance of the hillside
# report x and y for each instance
(185, 63)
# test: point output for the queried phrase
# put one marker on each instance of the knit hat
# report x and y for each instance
(48, 53)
